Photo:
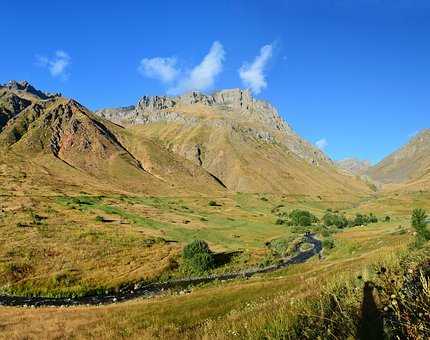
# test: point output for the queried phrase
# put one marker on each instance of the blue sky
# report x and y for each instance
(352, 73)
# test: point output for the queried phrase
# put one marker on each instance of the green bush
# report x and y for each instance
(194, 248)
(302, 218)
(419, 223)
(328, 243)
(372, 218)
(361, 219)
(198, 256)
(202, 262)
(331, 219)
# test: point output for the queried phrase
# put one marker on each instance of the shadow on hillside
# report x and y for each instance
(371, 325)
(225, 257)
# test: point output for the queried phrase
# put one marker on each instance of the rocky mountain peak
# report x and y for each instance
(234, 110)
(233, 104)
(25, 86)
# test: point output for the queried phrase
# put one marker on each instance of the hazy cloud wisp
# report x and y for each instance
(163, 69)
(199, 78)
(252, 75)
(322, 144)
(57, 65)
(202, 77)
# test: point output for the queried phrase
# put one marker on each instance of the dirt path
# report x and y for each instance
(140, 290)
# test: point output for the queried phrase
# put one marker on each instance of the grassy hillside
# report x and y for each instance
(408, 164)
(222, 310)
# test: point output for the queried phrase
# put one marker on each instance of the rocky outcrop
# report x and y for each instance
(234, 109)
(354, 165)
(24, 86)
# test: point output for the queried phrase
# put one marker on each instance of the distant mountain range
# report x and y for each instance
(354, 165)
(242, 141)
(410, 165)
(193, 143)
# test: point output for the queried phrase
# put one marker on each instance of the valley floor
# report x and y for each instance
(102, 242)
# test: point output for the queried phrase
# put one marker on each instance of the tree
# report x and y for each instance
(337, 220)
(198, 256)
(419, 223)
(302, 218)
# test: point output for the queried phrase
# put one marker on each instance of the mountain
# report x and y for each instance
(61, 137)
(354, 165)
(410, 164)
(241, 141)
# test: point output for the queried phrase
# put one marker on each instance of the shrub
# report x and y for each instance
(202, 262)
(328, 243)
(419, 223)
(372, 218)
(387, 219)
(360, 220)
(194, 248)
(337, 220)
(198, 256)
(302, 218)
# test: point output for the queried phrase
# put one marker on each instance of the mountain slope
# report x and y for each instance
(354, 165)
(410, 163)
(62, 133)
(241, 141)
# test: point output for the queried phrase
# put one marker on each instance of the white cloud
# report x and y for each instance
(199, 78)
(202, 77)
(163, 69)
(57, 65)
(252, 75)
(322, 144)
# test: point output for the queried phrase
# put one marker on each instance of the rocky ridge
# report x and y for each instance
(26, 87)
(408, 163)
(232, 109)
(354, 165)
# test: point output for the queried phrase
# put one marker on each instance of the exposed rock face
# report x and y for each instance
(409, 163)
(241, 141)
(66, 137)
(24, 86)
(234, 109)
(354, 165)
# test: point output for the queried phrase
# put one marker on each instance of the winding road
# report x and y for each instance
(147, 290)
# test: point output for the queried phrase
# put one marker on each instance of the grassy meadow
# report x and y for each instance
(69, 245)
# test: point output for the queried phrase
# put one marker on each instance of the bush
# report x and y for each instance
(198, 255)
(194, 248)
(387, 219)
(361, 219)
(419, 223)
(202, 262)
(328, 243)
(302, 218)
(372, 218)
(337, 220)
